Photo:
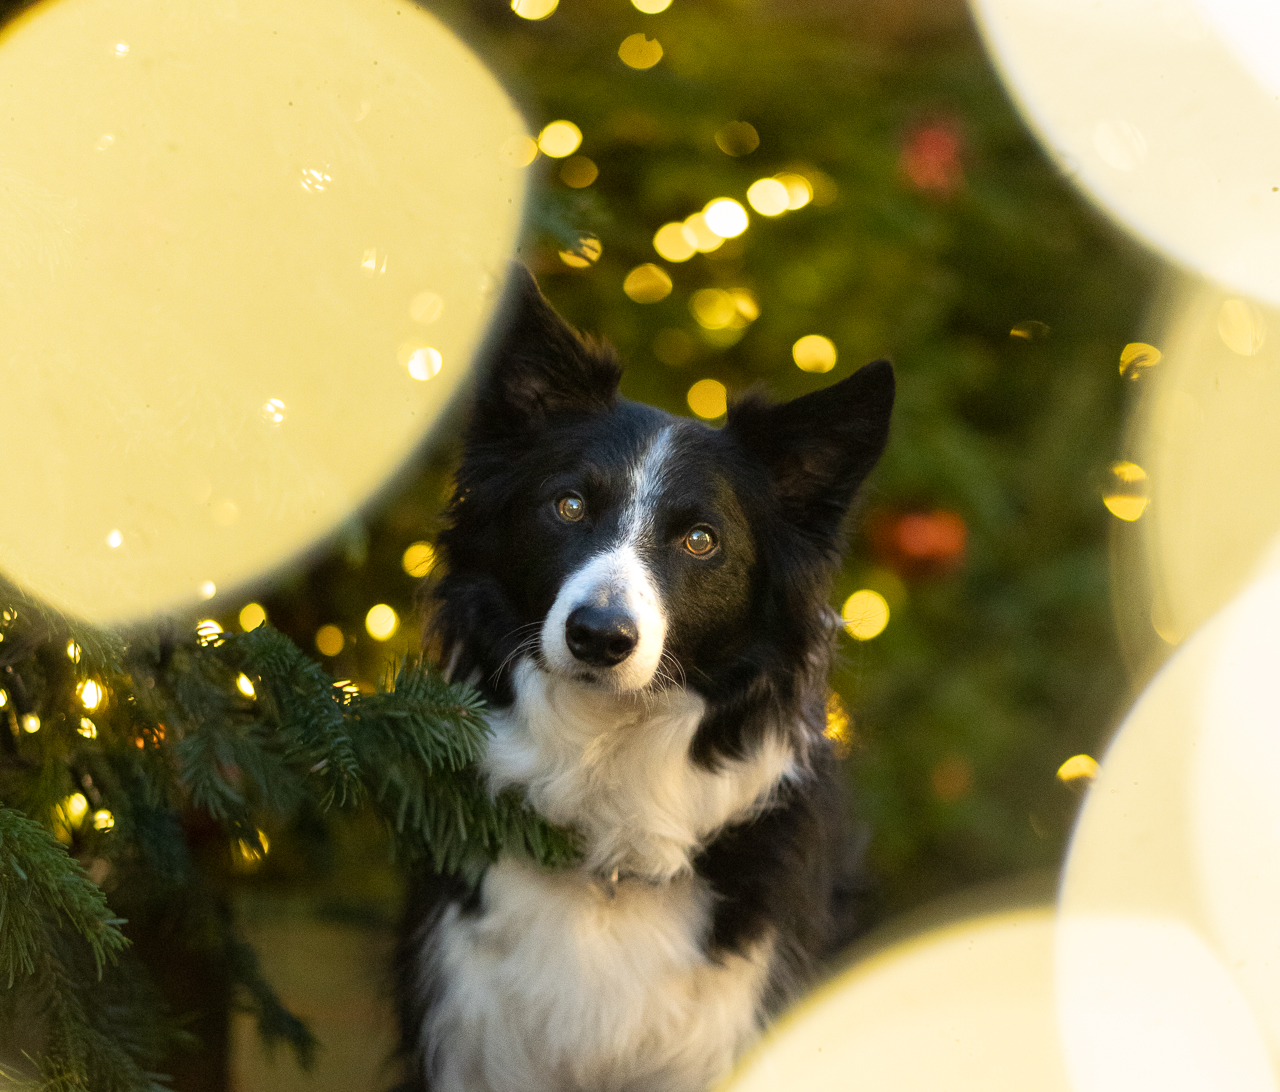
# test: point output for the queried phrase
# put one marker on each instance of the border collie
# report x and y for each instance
(642, 600)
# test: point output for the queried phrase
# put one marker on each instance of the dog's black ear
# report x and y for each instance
(539, 366)
(819, 447)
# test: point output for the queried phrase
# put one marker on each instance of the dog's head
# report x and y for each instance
(628, 549)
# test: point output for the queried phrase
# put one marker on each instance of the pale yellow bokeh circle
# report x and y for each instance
(814, 353)
(865, 614)
(218, 224)
(708, 398)
(381, 622)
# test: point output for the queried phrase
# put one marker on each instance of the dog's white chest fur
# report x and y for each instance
(560, 982)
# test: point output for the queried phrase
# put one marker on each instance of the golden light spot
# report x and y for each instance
(208, 589)
(725, 217)
(369, 264)
(252, 615)
(647, 283)
(1129, 472)
(638, 51)
(951, 778)
(114, 539)
(865, 614)
(87, 728)
(746, 303)
(91, 694)
(73, 652)
(225, 514)
(673, 243)
(348, 688)
(245, 685)
(587, 253)
(578, 172)
(651, 7)
(708, 399)
(1124, 506)
(75, 806)
(248, 856)
(1241, 327)
(559, 139)
(121, 49)
(521, 150)
(1136, 356)
(273, 411)
(814, 353)
(534, 9)
(381, 622)
(713, 308)
(838, 728)
(738, 138)
(1031, 330)
(31, 723)
(419, 559)
(700, 235)
(1076, 767)
(329, 640)
(315, 180)
(769, 197)
(208, 632)
(424, 362)
(4, 698)
(103, 820)
(799, 190)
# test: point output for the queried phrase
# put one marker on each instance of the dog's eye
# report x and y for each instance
(571, 508)
(700, 541)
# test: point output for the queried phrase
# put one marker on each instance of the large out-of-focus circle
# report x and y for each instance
(219, 223)
(1157, 109)
(967, 1008)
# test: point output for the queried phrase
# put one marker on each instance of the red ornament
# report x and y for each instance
(931, 159)
(919, 543)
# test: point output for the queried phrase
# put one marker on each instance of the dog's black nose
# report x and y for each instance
(600, 636)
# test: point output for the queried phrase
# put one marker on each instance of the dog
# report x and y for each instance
(642, 600)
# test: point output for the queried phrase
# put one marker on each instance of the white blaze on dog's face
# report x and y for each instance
(608, 624)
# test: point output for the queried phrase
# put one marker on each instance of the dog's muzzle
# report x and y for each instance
(601, 636)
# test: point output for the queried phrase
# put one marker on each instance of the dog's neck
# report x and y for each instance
(616, 768)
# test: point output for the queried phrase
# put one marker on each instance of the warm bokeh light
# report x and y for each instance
(91, 694)
(586, 254)
(638, 51)
(419, 558)
(381, 622)
(708, 398)
(329, 640)
(865, 614)
(208, 589)
(208, 631)
(4, 699)
(673, 243)
(424, 362)
(647, 283)
(534, 9)
(1031, 330)
(701, 235)
(1077, 767)
(87, 728)
(713, 308)
(578, 172)
(1242, 327)
(977, 991)
(1129, 473)
(738, 138)
(310, 216)
(252, 615)
(559, 139)
(799, 190)
(247, 857)
(520, 150)
(31, 723)
(75, 806)
(769, 197)
(245, 685)
(839, 727)
(103, 820)
(651, 7)
(73, 652)
(725, 217)
(1136, 357)
(1125, 506)
(814, 353)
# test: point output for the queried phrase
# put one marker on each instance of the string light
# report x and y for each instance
(73, 652)
(419, 559)
(114, 539)
(424, 362)
(799, 190)
(103, 820)
(91, 694)
(208, 589)
(208, 632)
(769, 197)
(252, 615)
(814, 353)
(245, 685)
(31, 723)
(651, 7)
(381, 622)
(865, 614)
(700, 235)
(329, 640)
(1136, 357)
(638, 51)
(87, 728)
(708, 399)
(674, 243)
(559, 139)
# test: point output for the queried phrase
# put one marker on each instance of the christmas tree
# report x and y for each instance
(732, 192)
